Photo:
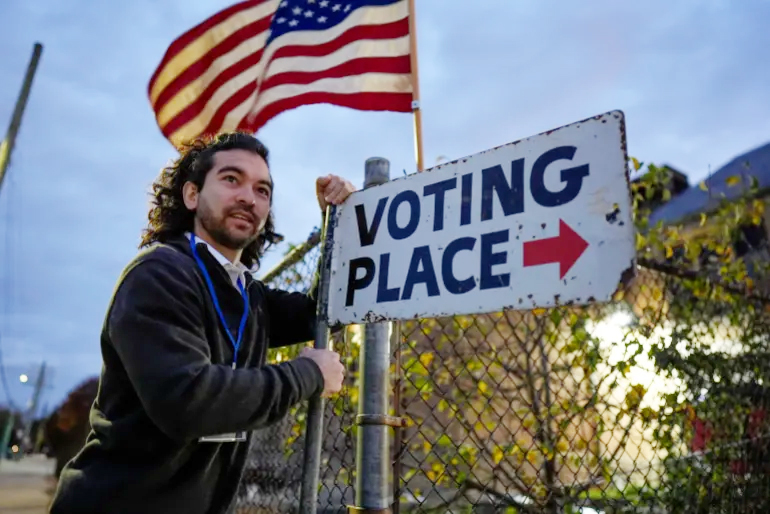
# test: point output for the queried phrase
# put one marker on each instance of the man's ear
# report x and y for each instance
(190, 195)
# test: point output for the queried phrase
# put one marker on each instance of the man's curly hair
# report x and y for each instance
(169, 218)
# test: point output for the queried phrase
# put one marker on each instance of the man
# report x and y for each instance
(184, 343)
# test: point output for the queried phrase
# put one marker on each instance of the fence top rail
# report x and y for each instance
(294, 256)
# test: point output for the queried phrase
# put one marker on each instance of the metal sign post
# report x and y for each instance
(315, 415)
(373, 440)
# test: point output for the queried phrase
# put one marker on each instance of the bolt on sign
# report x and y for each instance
(536, 223)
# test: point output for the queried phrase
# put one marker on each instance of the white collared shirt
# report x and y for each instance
(236, 272)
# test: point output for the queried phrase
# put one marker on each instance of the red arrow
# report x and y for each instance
(566, 249)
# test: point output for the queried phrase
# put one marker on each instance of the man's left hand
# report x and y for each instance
(332, 189)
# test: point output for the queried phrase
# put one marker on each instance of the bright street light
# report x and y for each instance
(23, 378)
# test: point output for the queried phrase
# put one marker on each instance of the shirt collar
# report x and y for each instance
(235, 270)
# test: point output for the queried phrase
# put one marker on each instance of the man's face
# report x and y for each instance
(234, 203)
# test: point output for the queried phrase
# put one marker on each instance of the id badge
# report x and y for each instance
(232, 437)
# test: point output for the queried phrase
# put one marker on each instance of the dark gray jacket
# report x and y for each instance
(167, 380)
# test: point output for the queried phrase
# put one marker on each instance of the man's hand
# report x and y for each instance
(331, 368)
(332, 189)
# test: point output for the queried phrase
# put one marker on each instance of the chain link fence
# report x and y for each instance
(655, 402)
(271, 481)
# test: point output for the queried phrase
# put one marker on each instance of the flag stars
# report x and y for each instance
(347, 8)
(293, 23)
(309, 14)
(311, 1)
(337, 7)
(324, 3)
(285, 3)
(281, 20)
(322, 19)
(297, 11)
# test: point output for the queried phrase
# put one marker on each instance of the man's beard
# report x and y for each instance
(217, 228)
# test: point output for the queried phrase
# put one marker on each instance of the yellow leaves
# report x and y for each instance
(483, 387)
(497, 455)
(703, 219)
(733, 180)
(702, 185)
(669, 252)
(637, 164)
(538, 312)
(532, 456)
(436, 473)
(641, 241)
(562, 446)
(426, 359)
(528, 422)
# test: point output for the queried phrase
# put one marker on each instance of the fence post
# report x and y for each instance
(308, 496)
(373, 444)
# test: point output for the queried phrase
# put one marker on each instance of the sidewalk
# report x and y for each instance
(26, 485)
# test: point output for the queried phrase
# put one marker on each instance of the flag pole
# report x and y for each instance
(417, 113)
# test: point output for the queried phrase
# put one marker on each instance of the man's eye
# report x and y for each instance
(230, 178)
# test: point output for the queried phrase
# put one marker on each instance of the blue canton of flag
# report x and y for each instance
(306, 15)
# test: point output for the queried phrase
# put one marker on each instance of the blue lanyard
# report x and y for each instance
(236, 342)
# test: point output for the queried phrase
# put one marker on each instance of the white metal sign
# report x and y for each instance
(540, 222)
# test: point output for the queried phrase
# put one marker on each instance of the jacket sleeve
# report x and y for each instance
(156, 329)
(292, 316)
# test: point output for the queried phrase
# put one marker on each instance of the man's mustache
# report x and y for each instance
(243, 212)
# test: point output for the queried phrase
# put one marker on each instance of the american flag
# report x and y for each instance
(249, 62)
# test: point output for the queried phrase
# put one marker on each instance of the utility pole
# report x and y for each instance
(6, 147)
(5, 439)
(39, 383)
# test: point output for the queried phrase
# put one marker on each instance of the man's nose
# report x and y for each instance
(246, 197)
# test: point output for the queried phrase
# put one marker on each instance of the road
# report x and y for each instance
(26, 485)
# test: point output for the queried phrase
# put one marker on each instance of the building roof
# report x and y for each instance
(695, 200)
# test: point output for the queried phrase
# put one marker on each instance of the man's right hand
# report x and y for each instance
(331, 368)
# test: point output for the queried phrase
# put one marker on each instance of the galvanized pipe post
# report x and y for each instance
(373, 444)
(308, 499)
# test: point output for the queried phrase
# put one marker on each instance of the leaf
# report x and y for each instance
(637, 164)
(497, 455)
(703, 186)
(733, 180)
(703, 219)
(641, 241)
(528, 422)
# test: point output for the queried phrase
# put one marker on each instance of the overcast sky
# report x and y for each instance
(691, 76)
